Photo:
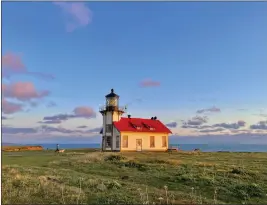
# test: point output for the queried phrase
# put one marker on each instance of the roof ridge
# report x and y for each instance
(139, 118)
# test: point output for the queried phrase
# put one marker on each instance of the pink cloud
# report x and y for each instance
(78, 112)
(78, 14)
(23, 91)
(84, 111)
(9, 107)
(149, 83)
(13, 64)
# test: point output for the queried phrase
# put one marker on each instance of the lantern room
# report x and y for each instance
(112, 99)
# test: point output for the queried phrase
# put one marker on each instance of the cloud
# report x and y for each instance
(171, 124)
(81, 127)
(195, 121)
(61, 117)
(15, 130)
(78, 112)
(12, 64)
(209, 110)
(85, 112)
(23, 91)
(240, 131)
(149, 83)
(77, 14)
(49, 129)
(51, 104)
(10, 107)
(196, 126)
(241, 123)
(50, 122)
(212, 130)
(235, 125)
(262, 125)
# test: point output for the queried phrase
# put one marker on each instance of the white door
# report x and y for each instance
(138, 145)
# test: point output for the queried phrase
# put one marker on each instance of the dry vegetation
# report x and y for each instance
(134, 178)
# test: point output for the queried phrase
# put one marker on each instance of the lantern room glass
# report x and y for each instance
(112, 101)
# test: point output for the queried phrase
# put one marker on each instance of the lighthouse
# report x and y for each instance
(130, 133)
(111, 113)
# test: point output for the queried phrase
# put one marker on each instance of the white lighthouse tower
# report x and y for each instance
(111, 112)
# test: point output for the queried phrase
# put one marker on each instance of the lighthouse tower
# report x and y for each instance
(111, 112)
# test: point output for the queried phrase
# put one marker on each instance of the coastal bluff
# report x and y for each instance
(21, 148)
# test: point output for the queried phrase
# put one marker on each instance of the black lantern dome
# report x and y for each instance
(112, 94)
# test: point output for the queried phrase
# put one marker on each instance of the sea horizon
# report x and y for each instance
(211, 147)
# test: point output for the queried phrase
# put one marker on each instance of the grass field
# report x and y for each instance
(87, 177)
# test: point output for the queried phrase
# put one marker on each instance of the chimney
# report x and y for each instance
(155, 118)
(129, 116)
(152, 118)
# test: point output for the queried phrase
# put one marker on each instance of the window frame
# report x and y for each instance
(125, 141)
(108, 141)
(117, 141)
(164, 141)
(152, 141)
(109, 128)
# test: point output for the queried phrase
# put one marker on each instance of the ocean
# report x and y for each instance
(185, 147)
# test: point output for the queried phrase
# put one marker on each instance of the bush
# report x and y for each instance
(237, 171)
(114, 158)
(247, 190)
(133, 164)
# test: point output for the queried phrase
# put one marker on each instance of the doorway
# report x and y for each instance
(139, 145)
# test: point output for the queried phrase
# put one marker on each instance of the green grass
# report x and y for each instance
(86, 177)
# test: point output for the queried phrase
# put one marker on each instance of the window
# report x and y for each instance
(117, 141)
(125, 141)
(108, 142)
(152, 141)
(108, 128)
(164, 141)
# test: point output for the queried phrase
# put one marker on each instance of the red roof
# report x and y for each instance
(140, 125)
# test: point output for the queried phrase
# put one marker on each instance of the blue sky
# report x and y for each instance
(191, 55)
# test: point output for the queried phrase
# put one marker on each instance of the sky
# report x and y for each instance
(200, 67)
